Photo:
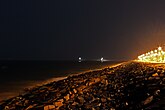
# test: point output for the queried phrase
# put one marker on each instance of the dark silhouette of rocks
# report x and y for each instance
(131, 85)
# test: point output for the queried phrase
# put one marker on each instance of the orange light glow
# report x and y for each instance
(155, 56)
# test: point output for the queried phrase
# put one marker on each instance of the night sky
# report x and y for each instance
(67, 29)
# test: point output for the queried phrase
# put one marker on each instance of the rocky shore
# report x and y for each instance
(131, 85)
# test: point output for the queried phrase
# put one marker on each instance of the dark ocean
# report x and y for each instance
(17, 75)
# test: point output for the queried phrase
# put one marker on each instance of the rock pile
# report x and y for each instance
(129, 86)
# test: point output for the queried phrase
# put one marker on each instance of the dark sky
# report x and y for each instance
(67, 29)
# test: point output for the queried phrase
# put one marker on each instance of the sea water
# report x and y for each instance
(18, 75)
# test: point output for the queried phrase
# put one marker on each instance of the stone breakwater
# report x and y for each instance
(128, 86)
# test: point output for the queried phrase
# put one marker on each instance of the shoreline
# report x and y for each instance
(130, 85)
(33, 84)
(22, 86)
(111, 66)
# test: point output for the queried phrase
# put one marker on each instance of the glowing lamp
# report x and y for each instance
(159, 48)
(156, 56)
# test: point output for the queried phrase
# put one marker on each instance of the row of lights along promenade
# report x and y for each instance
(133, 85)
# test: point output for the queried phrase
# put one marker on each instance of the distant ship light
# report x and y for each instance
(102, 59)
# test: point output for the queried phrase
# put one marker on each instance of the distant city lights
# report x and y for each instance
(80, 59)
(156, 56)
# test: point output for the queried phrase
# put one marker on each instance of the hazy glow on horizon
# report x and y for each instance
(156, 56)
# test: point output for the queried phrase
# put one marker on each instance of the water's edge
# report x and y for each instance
(16, 88)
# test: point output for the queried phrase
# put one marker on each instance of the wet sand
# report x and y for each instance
(131, 85)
